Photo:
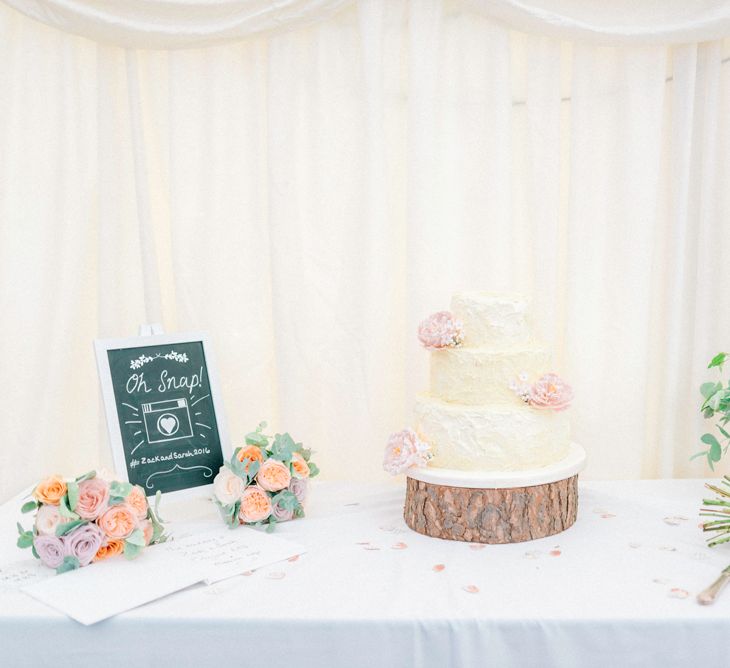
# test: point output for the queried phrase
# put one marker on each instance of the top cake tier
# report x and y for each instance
(492, 320)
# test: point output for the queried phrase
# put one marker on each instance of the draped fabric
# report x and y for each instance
(307, 196)
(156, 24)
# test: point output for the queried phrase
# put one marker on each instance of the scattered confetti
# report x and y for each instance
(675, 520)
(438, 568)
(294, 558)
(675, 592)
(660, 581)
(532, 554)
(634, 545)
(276, 575)
(247, 573)
(477, 546)
(667, 548)
(555, 553)
(363, 542)
(607, 516)
(387, 529)
(398, 546)
(357, 503)
(471, 589)
(599, 511)
(371, 547)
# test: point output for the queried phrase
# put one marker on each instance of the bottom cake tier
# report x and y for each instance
(492, 438)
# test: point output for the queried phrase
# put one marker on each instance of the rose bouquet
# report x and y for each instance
(265, 481)
(88, 519)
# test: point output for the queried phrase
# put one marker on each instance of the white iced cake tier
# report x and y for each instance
(483, 375)
(496, 437)
(471, 417)
(496, 320)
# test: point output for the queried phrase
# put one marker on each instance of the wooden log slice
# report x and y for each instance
(509, 515)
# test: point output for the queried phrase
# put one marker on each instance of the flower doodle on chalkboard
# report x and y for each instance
(145, 359)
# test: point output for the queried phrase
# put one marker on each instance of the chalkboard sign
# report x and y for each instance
(163, 411)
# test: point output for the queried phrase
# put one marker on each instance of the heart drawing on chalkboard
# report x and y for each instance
(168, 424)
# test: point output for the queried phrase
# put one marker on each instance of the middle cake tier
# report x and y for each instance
(479, 376)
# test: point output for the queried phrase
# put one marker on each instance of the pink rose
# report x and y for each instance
(298, 487)
(50, 549)
(273, 475)
(281, 514)
(84, 542)
(405, 450)
(118, 521)
(551, 392)
(137, 501)
(440, 330)
(147, 530)
(47, 519)
(93, 498)
(255, 505)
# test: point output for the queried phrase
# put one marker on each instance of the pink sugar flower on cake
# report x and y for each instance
(552, 392)
(405, 450)
(440, 330)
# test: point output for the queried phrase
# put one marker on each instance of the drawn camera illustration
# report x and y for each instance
(167, 420)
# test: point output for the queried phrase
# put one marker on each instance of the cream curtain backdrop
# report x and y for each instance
(307, 196)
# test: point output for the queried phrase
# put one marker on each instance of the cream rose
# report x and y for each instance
(47, 519)
(273, 475)
(227, 486)
(118, 521)
(255, 505)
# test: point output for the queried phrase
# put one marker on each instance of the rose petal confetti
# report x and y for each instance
(675, 520)
(477, 546)
(398, 546)
(276, 575)
(676, 592)
(363, 542)
(532, 554)
(555, 553)
(634, 545)
(438, 568)
(607, 516)
(371, 547)
(247, 573)
(294, 558)
(471, 589)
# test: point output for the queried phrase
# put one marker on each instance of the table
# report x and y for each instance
(617, 589)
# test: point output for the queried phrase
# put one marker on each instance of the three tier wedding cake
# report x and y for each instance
(493, 421)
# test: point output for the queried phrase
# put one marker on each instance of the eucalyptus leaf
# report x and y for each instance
(717, 360)
(313, 469)
(29, 506)
(723, 431)
(34, 552)
(86, 476)
(25, 540)
(69, 564)
(21, 530)
(136, 538)
(68, 527)
(708, 389)
(119, 488)
(65, 511)
(255, 438)
(131, 550)
(73, 495)
(699, 454)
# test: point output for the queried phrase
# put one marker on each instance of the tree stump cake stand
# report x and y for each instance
(505, 507)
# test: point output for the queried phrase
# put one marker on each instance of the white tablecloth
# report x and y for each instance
(617, 589)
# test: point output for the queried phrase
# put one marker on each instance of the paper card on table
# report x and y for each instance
(18, 574)
(107, 588)
(227, 552)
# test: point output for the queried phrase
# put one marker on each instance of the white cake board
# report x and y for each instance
(572, 464)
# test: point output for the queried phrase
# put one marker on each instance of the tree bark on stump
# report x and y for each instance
(492, 516)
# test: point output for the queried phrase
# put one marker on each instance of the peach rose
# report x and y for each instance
(50, 490)
(137, 501)
(111, 549)
(118, 521)
(299, 466)
(93, 498)
(147, 530)
(273, 475)
(252, 453)
(255, 505)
